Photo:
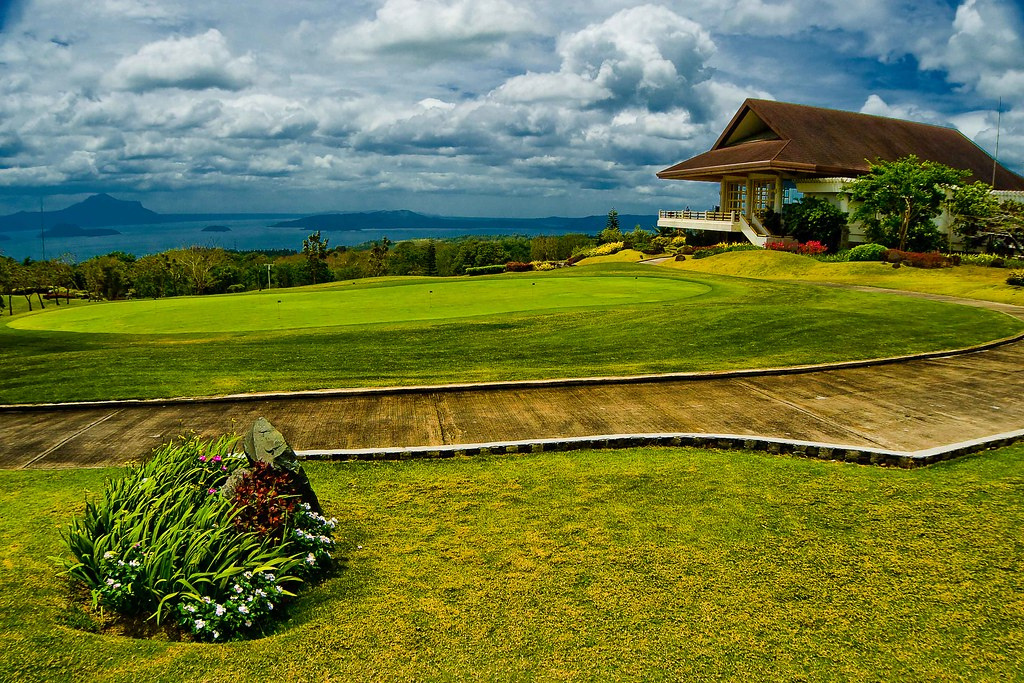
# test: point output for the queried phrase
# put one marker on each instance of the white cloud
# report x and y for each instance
(428, 30)
(197, 63)
(985, 51)
(876, 106)
(647, 56)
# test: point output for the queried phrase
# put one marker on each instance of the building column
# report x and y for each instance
(779, 194)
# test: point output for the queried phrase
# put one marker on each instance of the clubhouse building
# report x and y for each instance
(772, 150)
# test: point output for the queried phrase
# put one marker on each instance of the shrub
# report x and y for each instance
(236, 288)
(814, 220)
(932, 259)
(518, 267)
(162, 542)
(543, 265)
(1015, 278)
(485, 270)
(811, 248)
(867, 252)
(722, 248)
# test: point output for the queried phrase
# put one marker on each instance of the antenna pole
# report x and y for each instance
(999, 122)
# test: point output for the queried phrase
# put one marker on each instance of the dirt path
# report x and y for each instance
(905, 406)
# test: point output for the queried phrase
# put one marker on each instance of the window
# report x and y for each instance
(735, 196)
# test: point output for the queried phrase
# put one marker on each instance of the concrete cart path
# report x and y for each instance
(906, 406)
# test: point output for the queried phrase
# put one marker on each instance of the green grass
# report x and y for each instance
(653, 564)
(355, 303)
(604, 328)
(973, 282)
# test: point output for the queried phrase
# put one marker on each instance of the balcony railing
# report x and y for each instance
(723, 216)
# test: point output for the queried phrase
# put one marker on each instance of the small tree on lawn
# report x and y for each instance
(898, 200)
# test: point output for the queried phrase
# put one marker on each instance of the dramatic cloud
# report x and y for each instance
(195, 63)
(517, 107)
(426, 30)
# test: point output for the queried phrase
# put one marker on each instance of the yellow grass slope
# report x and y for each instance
(974, 282)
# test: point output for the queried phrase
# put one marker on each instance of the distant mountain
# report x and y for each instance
(102, 210)
(96, 211)
(216, 228)
(406, 220)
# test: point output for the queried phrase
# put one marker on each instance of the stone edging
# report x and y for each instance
(513, 384)
(862, 455)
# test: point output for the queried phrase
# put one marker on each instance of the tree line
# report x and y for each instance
(212, 270)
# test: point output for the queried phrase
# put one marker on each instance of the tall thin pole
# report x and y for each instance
(999, 122)
(42, 227)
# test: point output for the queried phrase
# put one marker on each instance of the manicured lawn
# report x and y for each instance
(359, 303)
(643, 564)
(619, 319)
(974, 282)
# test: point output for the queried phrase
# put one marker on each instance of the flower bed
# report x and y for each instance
(170, 542)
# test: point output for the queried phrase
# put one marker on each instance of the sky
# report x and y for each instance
(461, 107)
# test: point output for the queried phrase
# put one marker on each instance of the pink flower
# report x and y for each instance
(202, 458)
(216, 458)
(212, 491)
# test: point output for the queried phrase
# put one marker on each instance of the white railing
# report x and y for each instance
(751, 234)
(724, 216)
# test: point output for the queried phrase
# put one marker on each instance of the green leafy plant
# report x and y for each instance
(163, 538)
(1015, 278)
(867, 252)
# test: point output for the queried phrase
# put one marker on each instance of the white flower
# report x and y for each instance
(200, 624)
(270, 605)
(242, 609)
(248, 623)
(107, 555)
(216, 635)
(190, 609)
(220, 610)
(207, 600)
(110, 582)
(247, 575)
(311, 559)
(238, 589)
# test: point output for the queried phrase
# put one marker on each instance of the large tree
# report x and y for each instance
(897, 201)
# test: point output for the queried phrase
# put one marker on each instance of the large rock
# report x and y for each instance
(264, 443)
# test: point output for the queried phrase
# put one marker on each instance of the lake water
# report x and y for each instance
(245, 234)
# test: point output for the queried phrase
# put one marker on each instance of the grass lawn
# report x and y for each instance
(653, 564)
(606, 319)
(973, 282)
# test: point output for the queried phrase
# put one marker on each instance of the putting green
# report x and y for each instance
(356, 305)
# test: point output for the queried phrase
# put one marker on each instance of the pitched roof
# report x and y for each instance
(804, 141)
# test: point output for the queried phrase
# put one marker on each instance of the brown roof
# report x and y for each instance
(801, 141)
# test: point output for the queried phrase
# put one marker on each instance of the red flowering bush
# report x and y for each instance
(518, 267)
(808, 248)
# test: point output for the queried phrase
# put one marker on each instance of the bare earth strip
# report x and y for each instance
(907, 406)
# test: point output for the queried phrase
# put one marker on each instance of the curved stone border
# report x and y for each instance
(805, 449)
(516, 384)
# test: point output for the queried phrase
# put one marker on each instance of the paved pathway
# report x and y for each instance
(905, 406)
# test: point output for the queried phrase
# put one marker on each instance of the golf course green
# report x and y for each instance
(595, 320)
(342, 303)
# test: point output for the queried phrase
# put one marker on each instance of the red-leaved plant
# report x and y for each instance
(267, 497)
